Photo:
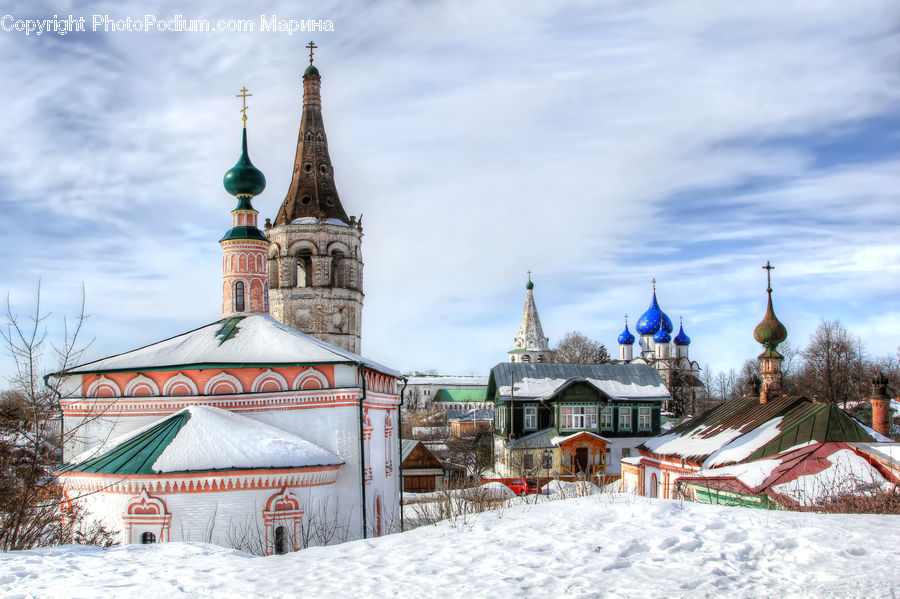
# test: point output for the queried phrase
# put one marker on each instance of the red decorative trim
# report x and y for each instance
(147, 511)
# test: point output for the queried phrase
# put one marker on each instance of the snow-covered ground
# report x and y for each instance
(606, 545)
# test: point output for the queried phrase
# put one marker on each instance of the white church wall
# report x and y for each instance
(231, 518)
(345, 376)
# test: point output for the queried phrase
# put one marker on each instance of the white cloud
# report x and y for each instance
(598, 145)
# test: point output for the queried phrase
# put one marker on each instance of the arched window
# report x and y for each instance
(653, 486)
(304, 269)
(273, 273)
(239, 296)
(337, 269)
(148, 538)
(526, 358)
(280, 541)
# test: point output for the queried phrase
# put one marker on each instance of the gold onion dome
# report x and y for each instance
(770, 332)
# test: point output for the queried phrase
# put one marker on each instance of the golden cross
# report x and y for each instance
(312, 46)
(768, 268)
(626, 319)
(654, 284)
(243, 96)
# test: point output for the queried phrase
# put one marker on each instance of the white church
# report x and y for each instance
(247, 432)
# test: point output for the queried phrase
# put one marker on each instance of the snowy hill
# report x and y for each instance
(598, 546)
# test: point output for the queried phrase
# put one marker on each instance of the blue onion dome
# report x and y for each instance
(244, 179)
(625, 337)
(667, 324)
(681, 338)
(651, 320)
(662, 336)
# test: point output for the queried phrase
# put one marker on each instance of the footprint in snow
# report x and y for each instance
(620, 564)
(667, 542)
(737, 537)
(635, 547)
(691, 545)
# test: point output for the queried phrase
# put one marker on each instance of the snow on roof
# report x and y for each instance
(806, 475)
(477, 415)
(210, 439)
(255, 339)
(875, 434)
(563, 439)
(692, 443)
(744, 446)
(848, 473)
(889, 452)
(546, 387)
(444, 380)
(751, 474)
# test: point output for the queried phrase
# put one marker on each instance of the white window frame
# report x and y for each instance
(625, 419)
(644, 418)
(530, 418)
(578, 417)
(606, 418)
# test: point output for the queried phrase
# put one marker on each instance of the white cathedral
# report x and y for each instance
(265, 430)
(657, 345)
(670, 356)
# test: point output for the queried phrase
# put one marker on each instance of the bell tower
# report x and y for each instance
(315, 266)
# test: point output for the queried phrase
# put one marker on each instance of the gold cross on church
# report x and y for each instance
(312, 46)
(243, 96)
(768, 268)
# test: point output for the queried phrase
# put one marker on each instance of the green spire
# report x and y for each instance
(244, 179)
(770, 332)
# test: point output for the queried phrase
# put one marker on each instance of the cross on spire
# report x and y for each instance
(626, 319)
(768, 268)
(243, 96)
(529, 275)
(654, 284)
(312, 46)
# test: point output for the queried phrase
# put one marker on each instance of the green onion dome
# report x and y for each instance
(311, 70)
(244, 179)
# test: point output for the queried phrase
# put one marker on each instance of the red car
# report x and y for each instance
(524, 486)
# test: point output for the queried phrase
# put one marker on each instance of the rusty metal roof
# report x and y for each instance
(802, 421)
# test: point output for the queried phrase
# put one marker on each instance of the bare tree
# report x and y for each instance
(832, 370)
(576, 348)
(33, 509)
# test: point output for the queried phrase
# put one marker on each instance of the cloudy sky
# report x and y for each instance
(598, 144)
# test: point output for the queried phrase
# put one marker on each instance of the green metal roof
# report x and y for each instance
(460, 395)
(807, 422)
(137, 455)
(802, 421)
(244, 232)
